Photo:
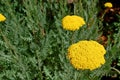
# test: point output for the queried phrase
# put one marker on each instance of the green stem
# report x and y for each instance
(115, 70)
(104, 13)
(73, 37)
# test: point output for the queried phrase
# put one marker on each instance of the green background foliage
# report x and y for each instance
(33, 44)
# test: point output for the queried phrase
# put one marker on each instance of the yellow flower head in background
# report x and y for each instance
(72, 22)
(108, 4)
(2, 18)
(86, 55)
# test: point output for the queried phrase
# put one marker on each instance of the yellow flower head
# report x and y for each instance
(86, 55)
(2, 18)
(108, 4)
(72, 22)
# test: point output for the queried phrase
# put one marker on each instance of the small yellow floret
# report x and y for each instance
(2, 18)
(86, 55)
(72, 22)
(108, 4)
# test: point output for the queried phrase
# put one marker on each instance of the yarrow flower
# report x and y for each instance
(72, 22)
(86, 55)
(108, 4)
(2, 18)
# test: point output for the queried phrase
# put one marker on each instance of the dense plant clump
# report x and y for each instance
(58, 40)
